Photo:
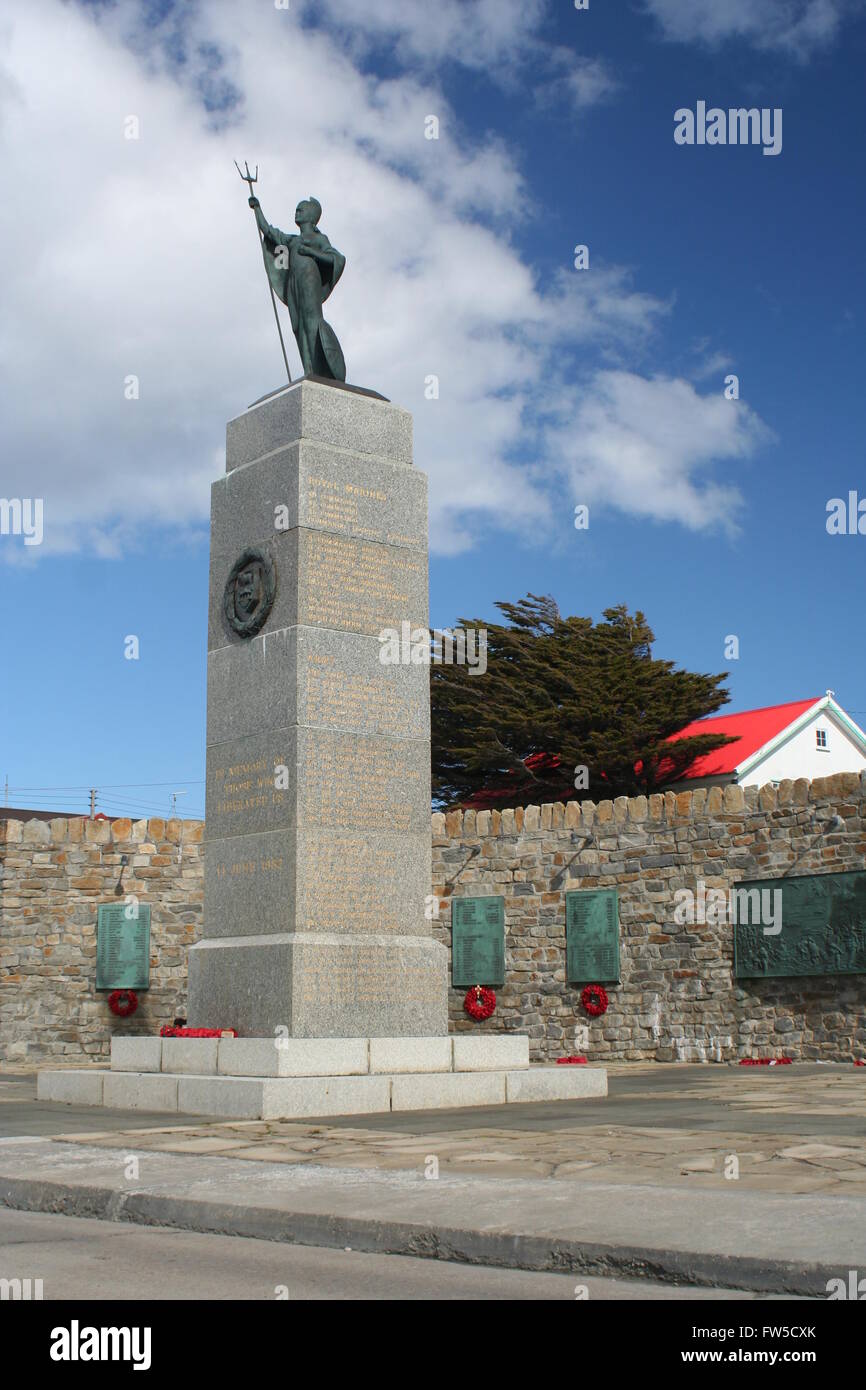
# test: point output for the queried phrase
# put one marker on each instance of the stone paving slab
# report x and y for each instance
(604, 1154)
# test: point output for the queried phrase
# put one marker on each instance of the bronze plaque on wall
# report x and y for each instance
(592, 936)
(477, 941)
(823, 926)
(122, 946)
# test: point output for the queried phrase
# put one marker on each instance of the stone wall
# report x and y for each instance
(677, 1000)
(53, 875)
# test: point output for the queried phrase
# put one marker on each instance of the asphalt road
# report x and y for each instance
(80, 1259)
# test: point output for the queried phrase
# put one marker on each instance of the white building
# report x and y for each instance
(809, 738)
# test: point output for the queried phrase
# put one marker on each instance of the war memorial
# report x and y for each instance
(317, 949)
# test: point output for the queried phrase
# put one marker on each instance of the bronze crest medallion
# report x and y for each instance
(249, 593)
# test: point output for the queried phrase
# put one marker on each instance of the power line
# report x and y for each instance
(127, 801)
(110, 786)
(137, 809)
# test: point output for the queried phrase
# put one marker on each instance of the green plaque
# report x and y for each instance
(592, 936)
(122, 946)
(477, 941)
(823, 926)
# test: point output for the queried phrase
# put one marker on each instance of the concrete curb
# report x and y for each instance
(506, 1250)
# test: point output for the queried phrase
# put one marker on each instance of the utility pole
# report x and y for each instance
(92, 803)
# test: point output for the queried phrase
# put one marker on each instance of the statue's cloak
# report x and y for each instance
(277, 264)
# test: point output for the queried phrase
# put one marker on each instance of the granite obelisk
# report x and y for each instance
(317, 858)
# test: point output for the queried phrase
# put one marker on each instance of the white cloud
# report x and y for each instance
(139, 257)
(499, 38)
(643, 446)
(590, 81)
(486, 34)
(795, 27)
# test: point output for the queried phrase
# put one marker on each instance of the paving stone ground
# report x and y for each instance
(797, 1129)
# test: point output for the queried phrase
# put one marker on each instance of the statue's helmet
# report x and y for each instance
(313, 209)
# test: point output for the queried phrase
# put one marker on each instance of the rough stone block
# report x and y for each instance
(447, 1090)
(410, 1054)
(556, 1083)
(136, 1054)
(71, 1087)
(490, 1052)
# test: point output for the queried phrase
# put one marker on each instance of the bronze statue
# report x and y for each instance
(303, 269)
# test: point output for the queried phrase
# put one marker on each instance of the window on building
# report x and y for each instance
(821, 738)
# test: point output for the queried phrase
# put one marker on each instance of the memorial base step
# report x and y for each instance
(273, 1097)
(284, 1056)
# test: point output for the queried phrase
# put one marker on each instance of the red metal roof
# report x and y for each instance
(752, 729)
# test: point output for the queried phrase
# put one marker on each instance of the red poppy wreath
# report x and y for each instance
(595, 1001)
(169, 1030)
(479, 1002)
(123, 1002)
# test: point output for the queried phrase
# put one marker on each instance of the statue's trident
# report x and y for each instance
(250, 179)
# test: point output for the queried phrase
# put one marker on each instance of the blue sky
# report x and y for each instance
(557, 386)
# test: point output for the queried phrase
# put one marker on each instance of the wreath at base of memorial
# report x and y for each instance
(479, 1002)
(765, 1061)
(169, 1030)
(123, 1002)
(595, 1001)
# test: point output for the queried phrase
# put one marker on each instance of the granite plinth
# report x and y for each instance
(317, 838)
(320, 985)
(305, 410)
(340, 683)
(300, 1097)
(330, 779)
(315, 486)
(255, 885)
(285, 1056)
(329, 581)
